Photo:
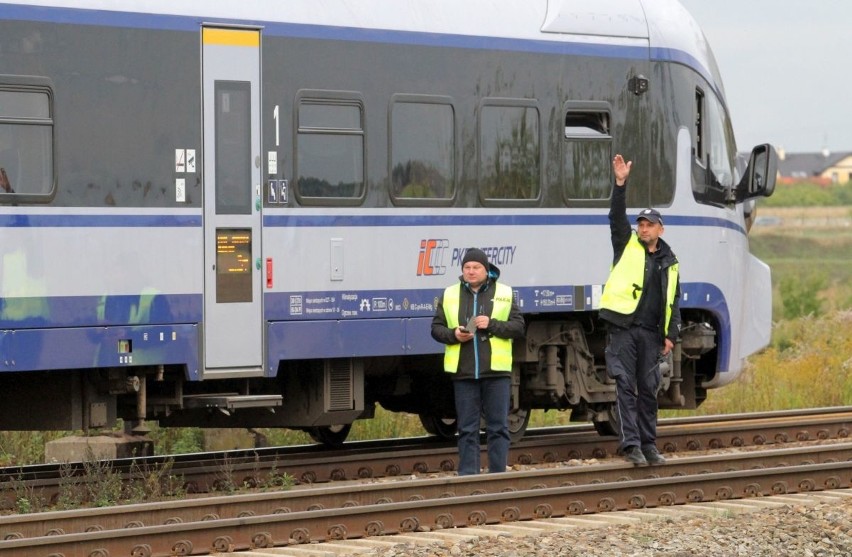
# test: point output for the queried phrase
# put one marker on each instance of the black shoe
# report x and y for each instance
(634, 456)
(653, 456)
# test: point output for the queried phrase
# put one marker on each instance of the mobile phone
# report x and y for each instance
(470, 327)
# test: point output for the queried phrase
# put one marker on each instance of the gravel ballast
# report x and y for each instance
(818, 527)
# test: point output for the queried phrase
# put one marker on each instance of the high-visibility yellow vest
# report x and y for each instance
(501, 348)
(624, 285)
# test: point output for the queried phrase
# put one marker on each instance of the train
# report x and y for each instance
(242, 214)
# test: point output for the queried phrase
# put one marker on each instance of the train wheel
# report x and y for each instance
(330, 435)
(609, 425)
(445, 428)
(519, 419)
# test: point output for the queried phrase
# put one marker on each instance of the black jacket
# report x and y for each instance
(484, 302)
(621, 231)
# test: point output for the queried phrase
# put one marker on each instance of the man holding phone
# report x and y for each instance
(477, 320)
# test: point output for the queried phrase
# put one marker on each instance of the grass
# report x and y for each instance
(812, 246)
(808, 365)
(809, 361)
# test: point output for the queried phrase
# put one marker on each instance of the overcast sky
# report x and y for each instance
(787, 69)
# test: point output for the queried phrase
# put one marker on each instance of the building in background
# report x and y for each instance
(822, 168)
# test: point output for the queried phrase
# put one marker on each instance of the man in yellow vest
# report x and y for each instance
(478, 319)
(640, 304)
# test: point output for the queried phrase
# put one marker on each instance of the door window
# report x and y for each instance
(233, 147)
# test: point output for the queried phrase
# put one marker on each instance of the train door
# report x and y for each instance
(233, 311)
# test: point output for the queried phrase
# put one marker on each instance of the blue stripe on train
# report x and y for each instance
(474, 219)
(100, 347)
(56, 220)
(82, 332)
(99, 311)
(307, 325)
(272, 220)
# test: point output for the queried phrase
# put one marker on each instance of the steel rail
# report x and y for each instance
(308, 452)
(348, 494)
(270, 530)
(224, 471)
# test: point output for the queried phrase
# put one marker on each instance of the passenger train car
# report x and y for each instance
(242, 214)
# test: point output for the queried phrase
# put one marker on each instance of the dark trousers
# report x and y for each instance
(488, 398)
(632, 359)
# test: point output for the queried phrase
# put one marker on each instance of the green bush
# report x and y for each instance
(808, 365)
(177, 440)
(809, 195)
(800, 295)
(19, 448)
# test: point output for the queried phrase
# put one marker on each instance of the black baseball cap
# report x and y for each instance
(650, 215)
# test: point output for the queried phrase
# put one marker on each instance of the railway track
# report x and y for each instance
(224, 471)
(820, 458)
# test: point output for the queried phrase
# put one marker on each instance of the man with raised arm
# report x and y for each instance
(640, 304)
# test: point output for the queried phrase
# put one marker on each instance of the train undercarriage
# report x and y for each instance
(558, 366)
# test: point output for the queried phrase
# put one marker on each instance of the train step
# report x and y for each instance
(232, 401)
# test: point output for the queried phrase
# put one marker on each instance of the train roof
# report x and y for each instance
(612, 26)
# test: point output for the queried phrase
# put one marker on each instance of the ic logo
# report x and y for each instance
(430, 261)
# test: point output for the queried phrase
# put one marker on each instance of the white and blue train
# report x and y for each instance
(241, 214)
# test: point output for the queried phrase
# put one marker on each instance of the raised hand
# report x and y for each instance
(621, 169)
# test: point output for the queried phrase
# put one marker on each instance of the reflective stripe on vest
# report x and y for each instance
(623, 288)
(624, 285)
(670, 295)
(501, 348)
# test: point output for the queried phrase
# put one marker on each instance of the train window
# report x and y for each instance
(233, 148)
(715, 172)
(422, 150)
(26, 141)
(587, 152)
(722, 153)
(330, 150)
(587, 124)
(698, 136)
(509, 150)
